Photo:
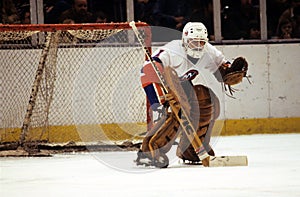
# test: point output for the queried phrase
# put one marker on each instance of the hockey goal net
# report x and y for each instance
(71, 84)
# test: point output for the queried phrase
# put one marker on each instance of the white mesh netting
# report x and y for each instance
(89, 88)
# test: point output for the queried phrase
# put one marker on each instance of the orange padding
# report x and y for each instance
(149, 75)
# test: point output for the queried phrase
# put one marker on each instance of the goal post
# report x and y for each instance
(71, 83)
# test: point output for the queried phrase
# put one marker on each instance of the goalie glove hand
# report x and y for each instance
(232, 74)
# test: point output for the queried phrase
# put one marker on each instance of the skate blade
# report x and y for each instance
(143, 162)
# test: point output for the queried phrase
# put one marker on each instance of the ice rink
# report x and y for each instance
(273, 170)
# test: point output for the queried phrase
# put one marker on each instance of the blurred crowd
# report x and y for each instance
(240, 19)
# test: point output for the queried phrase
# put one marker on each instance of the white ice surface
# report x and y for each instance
(274, 170)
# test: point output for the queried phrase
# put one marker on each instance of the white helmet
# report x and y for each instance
(194, 38)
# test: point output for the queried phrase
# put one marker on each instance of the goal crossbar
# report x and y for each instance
(55, 27)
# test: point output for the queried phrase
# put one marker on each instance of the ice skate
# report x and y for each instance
(161, 162)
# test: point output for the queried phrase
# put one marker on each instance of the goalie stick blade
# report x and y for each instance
(222, 161)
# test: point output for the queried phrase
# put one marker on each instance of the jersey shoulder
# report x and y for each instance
(174, 46)
(211, 47)
(171, 54)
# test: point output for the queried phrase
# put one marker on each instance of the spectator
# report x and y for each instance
(285, 29)
(68, 21)
(9, 13)
(100, 17)
(236, 18)
(143, 11)
(254, 30)
(296, 22)
(113, 9)
(172, 13)
(54, 10)
(289, 12)
(22, 6)
(78, 13)
(274, 9)
(25, 16)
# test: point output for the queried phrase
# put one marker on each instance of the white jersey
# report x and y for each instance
(173, 54)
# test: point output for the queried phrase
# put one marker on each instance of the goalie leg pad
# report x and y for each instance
(207, 104)
(185, 150)
(160, 138)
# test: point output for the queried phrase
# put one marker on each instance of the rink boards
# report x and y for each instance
(270, 104)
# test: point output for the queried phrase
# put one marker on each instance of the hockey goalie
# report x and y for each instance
(181, 62)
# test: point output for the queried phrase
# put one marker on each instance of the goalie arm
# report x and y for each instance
(151, 85)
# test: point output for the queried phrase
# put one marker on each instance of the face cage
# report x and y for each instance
(194, 47)
(196, 44)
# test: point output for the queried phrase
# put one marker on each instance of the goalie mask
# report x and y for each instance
(194, 38)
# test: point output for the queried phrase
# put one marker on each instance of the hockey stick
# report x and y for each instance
(181, 114)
